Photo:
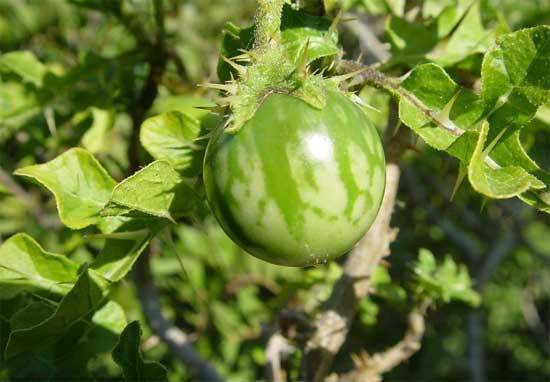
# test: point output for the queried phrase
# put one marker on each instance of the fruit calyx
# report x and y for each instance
(268, 68)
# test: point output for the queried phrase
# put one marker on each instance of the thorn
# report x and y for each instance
(493, 143)
(462, 171)
(334, 25)
(356, 99)
(301, 66)
(229, 87)
(347, 76)
(203, 137)
(443, 116)
(483, 204)
(239, 68)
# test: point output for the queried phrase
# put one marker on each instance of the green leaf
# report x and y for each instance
(123, 247)
(25, 65)
(433, 8)
(95, 138)
(106, 326)
(31, 315)
(488, 178)
(128, 357)
(178, 138)
(518, 64)
(156, 190)
(469, 38)
(446, 282)
(384, 287)
(515, 82)
(449, 13)
(81, 301)
(26, 267)
(191, 105)
(431, 95)
(68, 356)
(299, 29)
(16, 100)
(410, 40)
(80, 184)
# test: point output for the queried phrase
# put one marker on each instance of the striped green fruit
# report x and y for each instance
(296, 185)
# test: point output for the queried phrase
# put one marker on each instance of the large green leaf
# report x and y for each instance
(495, 181)
(179, 138)
(80, 184)
(156, 190)
(436, 108)
(80, 302)
(26, 267)
(128, 356)
(68, 356)
(410, 40)
(518, 64)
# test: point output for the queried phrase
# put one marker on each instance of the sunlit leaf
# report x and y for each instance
(492, 180)
(26, 267)
(156, 190)
(80, 184)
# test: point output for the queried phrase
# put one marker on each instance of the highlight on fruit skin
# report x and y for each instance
(297, 185)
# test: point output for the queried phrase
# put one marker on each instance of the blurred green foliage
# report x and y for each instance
(81, 86)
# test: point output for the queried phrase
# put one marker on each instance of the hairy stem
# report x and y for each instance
(268, 22)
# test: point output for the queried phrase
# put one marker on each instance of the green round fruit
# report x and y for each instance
(296, 185)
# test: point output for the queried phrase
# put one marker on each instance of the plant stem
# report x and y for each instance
(157, 60)
(373, 77)
(177, 341)
(268, 22)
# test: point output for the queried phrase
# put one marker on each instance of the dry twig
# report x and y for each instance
(370, 368)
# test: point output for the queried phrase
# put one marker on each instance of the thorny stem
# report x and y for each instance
(375, 78)
(268, 22)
